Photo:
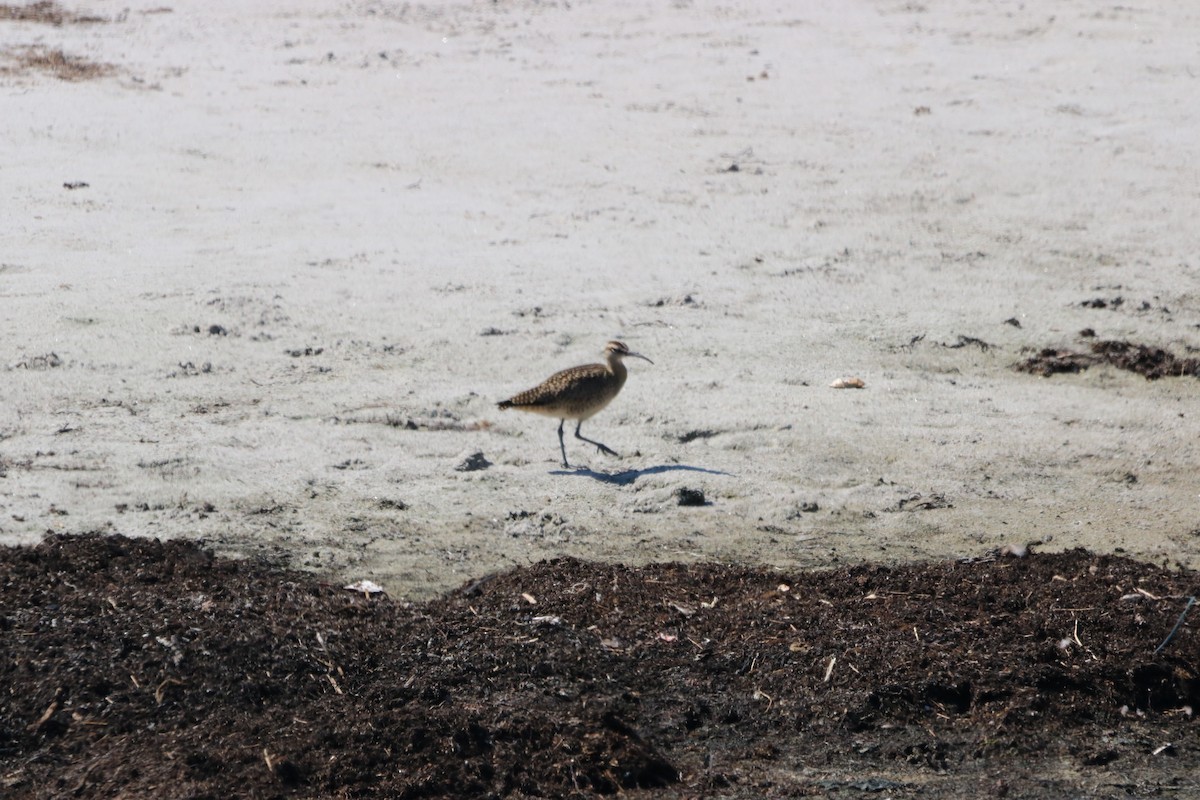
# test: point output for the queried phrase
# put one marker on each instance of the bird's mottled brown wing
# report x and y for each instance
(567, 391)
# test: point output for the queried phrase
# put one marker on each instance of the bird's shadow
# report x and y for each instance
(628, 476)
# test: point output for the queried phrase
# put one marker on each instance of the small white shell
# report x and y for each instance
(365, 586)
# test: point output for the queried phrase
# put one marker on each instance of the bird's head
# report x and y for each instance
(618, 350)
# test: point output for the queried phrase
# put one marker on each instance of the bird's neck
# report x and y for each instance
(616, 367)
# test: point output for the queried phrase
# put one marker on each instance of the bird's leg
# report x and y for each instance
(602, 448)
(562, 446)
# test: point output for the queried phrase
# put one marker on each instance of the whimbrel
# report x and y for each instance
(577, 393)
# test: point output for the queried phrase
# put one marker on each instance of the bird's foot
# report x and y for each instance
(603, 448)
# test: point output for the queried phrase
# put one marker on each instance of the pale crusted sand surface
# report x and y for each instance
(319, 240)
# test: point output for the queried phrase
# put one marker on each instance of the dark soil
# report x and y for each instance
(1150, 362)
(141, 669)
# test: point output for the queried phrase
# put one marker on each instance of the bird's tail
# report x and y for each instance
(503, 404)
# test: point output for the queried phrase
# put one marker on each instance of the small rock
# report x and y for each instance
(473, 462)
(690, 497)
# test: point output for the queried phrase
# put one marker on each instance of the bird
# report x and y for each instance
(577, 393)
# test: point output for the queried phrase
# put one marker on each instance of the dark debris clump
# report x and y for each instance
(1150, 362)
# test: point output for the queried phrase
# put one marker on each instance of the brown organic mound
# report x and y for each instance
(1150, 362)
(142, 669)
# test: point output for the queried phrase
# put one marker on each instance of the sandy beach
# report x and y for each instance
(266, 268)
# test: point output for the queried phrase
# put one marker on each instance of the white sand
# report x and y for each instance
(383, 182)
